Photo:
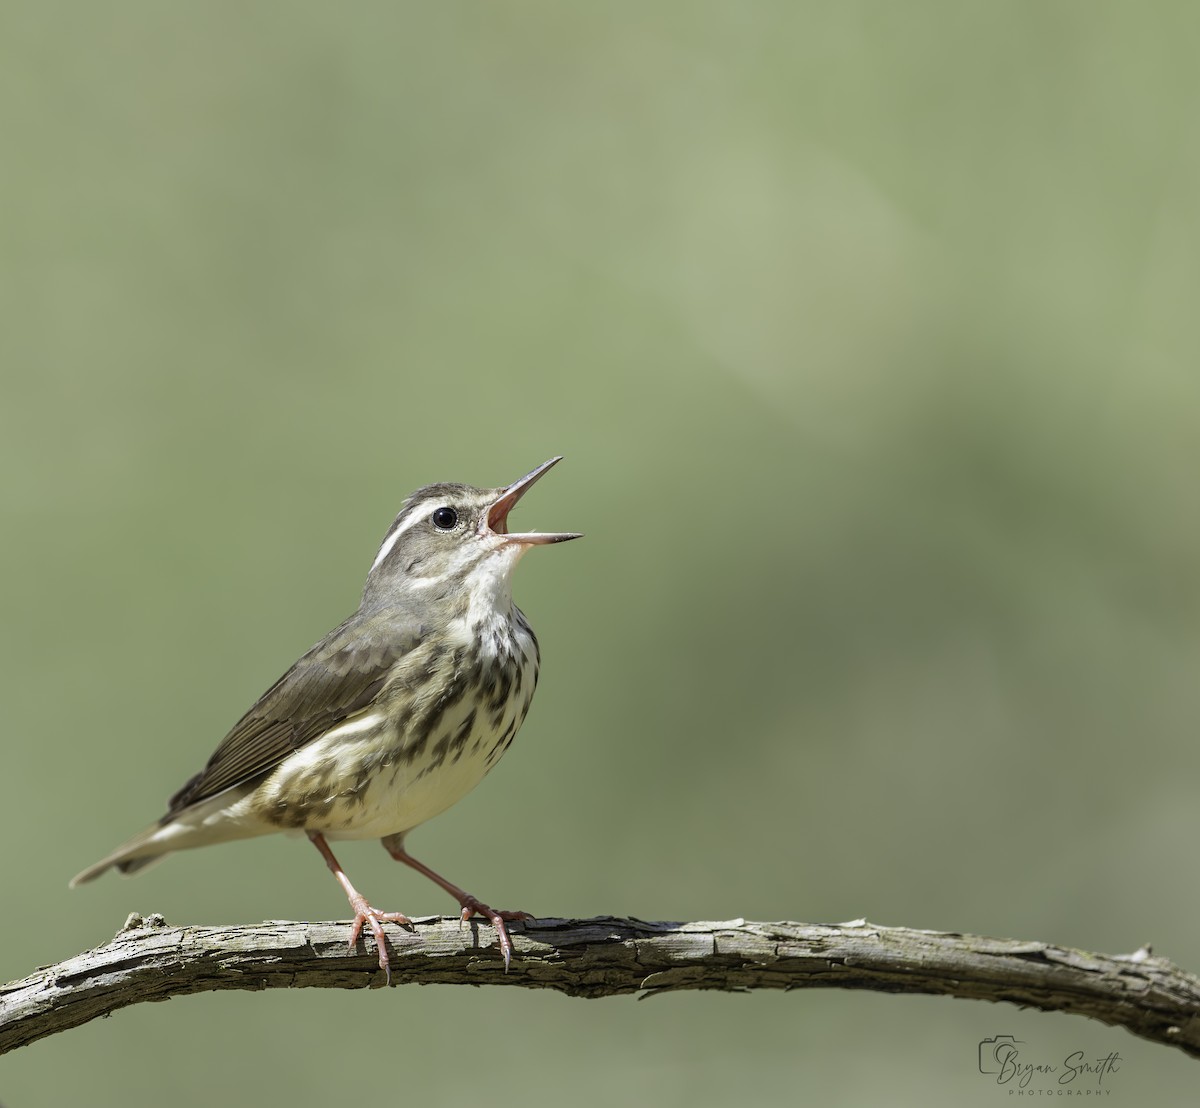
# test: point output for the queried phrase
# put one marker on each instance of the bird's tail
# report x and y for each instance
(216, 819)
(130, 857)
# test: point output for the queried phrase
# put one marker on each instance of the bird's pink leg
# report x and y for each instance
(363, 912)
(471, 906)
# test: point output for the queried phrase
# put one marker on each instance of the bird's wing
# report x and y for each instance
(339, 676)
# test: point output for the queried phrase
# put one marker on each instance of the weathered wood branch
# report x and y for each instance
(607, 956)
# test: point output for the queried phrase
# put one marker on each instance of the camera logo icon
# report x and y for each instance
(994, 1052)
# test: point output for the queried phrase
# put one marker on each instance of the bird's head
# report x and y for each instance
(453, 540)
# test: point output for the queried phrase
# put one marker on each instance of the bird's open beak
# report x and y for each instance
(496, 519)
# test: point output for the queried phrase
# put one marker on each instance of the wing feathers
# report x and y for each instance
(339, 676)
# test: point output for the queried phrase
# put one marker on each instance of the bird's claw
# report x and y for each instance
(365, 914)
(472, 907)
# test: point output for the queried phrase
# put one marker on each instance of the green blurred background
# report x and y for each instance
(868, 332)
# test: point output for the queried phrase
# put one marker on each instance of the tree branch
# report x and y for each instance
(607, 956)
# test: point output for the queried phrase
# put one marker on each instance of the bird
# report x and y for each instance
(391, 718)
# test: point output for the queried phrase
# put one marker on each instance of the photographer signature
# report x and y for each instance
(1000, 1055)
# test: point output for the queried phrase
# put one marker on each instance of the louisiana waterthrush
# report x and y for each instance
(392, 717)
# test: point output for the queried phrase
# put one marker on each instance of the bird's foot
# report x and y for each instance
(473, 907)
(365, 914)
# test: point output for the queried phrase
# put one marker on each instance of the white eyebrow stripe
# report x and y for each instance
(390, 540)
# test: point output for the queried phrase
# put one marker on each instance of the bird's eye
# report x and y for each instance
(444, 519)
